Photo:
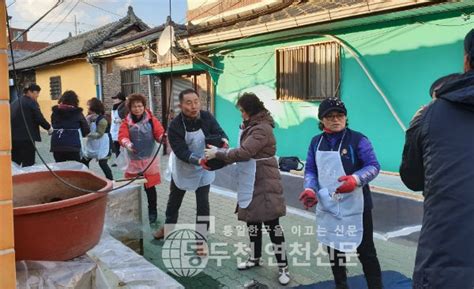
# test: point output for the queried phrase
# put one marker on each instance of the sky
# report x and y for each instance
(88, 14)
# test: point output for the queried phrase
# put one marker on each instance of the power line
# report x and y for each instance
(64, 18)
(100, 8)
(58, 14)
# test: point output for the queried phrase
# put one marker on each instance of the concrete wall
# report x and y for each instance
(404, 57)
(77, 75)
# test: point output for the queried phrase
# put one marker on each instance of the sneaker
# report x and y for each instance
(250, 263)
(283, 275)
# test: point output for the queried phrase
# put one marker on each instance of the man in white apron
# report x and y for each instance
(340, 164)
(186, 134)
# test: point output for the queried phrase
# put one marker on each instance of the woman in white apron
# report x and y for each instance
(340, 164)
(138, 135)
(97, 143)
(259, 189)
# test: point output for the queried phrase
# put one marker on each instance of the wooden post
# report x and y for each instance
(7, 251)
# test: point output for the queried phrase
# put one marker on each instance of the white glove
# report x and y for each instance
(210, 152)
(50, 131)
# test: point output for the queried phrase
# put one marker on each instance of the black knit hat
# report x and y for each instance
(331, 104)
(119, 95)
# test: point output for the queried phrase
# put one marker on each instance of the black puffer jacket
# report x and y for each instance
(438, 158)
(67, 121)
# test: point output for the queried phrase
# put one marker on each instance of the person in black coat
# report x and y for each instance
(69, 125)
(23, 149)
(438, 159)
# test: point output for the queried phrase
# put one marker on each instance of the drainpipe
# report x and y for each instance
(7, 251)
(150, 93)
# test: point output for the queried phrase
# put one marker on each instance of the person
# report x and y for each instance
(23, 148)
(186, 135)
(97, 144)
(119, 112)
(339, 166)
(437, 159)
(260, 194)
(69, 126)
(138, 134)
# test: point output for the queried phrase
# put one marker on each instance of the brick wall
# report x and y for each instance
(111, 79)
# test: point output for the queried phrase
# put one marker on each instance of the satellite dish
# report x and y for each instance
(166, 41)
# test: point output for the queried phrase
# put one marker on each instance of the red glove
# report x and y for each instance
(349, 185)
(203, 164)
(308, 198)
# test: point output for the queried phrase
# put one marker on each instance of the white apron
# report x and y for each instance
(244, 173)
(115, 124)
(338, 216)
(96, 148)
(187, 176)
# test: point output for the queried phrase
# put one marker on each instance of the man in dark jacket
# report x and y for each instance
(438, 159)
(23, 149)
(186, 135)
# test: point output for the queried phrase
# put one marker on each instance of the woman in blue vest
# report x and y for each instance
(69, 126)
(339, 166)
(139, 135)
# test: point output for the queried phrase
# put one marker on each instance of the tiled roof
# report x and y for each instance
(82, 43)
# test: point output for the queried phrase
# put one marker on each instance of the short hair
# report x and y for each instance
(442, 81)
(69, 97)
(135, 97)
(250, 103)
(186, 91)
(469, 47)
(95, 105)
(32, 87)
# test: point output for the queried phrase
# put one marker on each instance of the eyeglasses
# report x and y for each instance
(335, 116)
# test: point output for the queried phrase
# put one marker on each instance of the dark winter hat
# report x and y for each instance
(331, 104)
(469, 46)
(119, 95)
(32, 87)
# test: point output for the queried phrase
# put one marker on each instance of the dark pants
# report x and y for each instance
(67, 156)
(367, 256)
(176, 198)
(151, 197)
(103, 165)
(116, 148)
(23, 153)
(276, 236)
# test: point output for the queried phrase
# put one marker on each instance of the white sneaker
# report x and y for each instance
(284, 276)
(250, 263)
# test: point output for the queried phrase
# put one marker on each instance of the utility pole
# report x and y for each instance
(75, 24)
(7, 245)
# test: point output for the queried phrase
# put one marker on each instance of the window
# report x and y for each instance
(55, 87)
(130, 81)
(308, 72)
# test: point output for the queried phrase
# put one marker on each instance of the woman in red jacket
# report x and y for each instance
(138, 134)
